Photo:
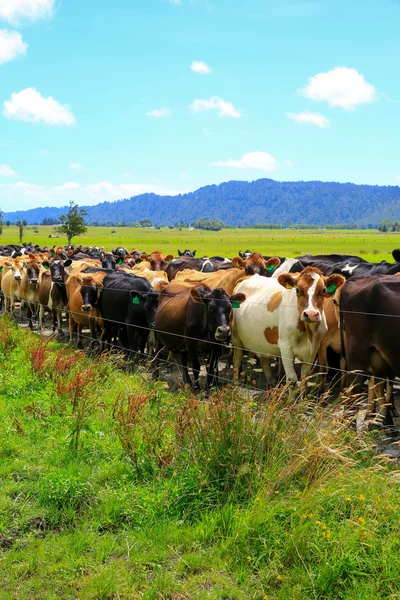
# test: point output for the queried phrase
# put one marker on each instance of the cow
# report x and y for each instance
(190, 317)
(128, 305)
(52, 291)
(370, 322)
(11, 283)
(283, 317)
(29, 288)
(245, 254)
(225, 280)
(255, 264)
(188, 253)
(157, 260)
(107, 260)
(83, 293)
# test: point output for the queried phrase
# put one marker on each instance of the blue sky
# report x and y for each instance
(101, 100)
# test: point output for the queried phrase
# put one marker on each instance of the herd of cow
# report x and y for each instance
(270, 306)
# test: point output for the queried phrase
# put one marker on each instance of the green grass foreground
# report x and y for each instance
(114, 488)
(370, 244)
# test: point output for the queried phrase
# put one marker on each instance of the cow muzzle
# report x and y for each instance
(34, 281)
(311, 316)
(222, 333)
(17, 277)
(86, 307)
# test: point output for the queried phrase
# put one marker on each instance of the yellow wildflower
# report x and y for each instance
(318, 522)
(279, 577)
(348, 499)
(361, 519)
(208, 459)
(362, 497)
(249, 558)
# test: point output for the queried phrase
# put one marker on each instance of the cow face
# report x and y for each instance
(256, 264)
(157, 260)
(107, 260)
(32, 271)
(17, 269)
(148, 303)
(218, 309)
(188, 253)
(311, 289)
(90, 291)
(57, 269)
(245, 254)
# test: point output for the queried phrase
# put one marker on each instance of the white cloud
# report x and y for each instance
(71, 185)
(15, 10)
(207, 132)
(6, 171)
(183, 175)
(26, 195)
(200, 67)
(309, 118)
(341, 87)
(159, 113)
(397, 177)
(11, 45)
(76, 165)
(263, 161)
(30, 105)
(224, 108)
(290, 163)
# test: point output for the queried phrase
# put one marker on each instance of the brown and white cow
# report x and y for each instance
(12, 274)
(284, 318)
(83, 293)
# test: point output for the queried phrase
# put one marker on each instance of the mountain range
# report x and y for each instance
(242, 203)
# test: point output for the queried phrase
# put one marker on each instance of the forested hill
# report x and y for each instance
(247, 203)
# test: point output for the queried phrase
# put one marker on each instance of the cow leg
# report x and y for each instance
(237, 361)
(267, 370)
(212, 367)
(288, 363)
(29, 315)
(71, 328)
(79, 327)
(184, 363)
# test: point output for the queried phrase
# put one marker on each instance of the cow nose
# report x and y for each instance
(34, 280)
(223, 331)
(311, 315)
(86, 307)
(17, 277)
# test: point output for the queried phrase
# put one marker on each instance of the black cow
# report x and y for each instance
(52, 291)
(128, 304)
(188, 253)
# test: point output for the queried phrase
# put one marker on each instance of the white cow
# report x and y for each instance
(283, 317)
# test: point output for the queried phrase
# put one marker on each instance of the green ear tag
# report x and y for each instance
(135, 300)
(271, 268)
(137, 262)
(235, 304)
(331, 289)
(100, 290)
(52, 254)
(45, 267)
(1, 268)
(120, 261)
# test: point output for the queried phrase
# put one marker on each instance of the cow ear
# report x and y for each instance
(238, 262)
(332, 284)
(201, 293)
(194, 252)
(102, 255)
(241, 254)
(287, 281)
(272, 263)
(144, 256)
(79, 279)
(169, 257)
(396, 255)
(238, 298)
(68, 262)
(180, 253)
(31, 256)
(45, 264)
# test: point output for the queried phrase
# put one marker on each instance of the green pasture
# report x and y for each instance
(371, 245)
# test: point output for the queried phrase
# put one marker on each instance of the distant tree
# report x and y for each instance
(21, 226)
(135, 224)
(1, 222)
(146, 223)
(73, 224)
(208, 224)
(49, 221)
(181, 225)
(8, 223)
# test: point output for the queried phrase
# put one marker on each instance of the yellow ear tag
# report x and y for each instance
(289, 286)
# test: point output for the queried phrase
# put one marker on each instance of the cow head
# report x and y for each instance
(32, 267)
(57, 268)
(157, 260)
(256, 264)
(146, 302)
(136, 256)
(17, 268)
(218, 309)
(245, 254)
(107, 260)
(311, 288)
(90, 291)
(188, 253)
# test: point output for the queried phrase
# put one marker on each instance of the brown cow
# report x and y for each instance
(52, 292)
(256, 264)
(13, 272)
(83, 292)
(157, 260)
(29, 288)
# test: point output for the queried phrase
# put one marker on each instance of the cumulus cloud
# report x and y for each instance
(223, 107)
(6, 171)
(397, 177)
(159, 113)
(290, 163)
(30, 105)
(200, 67)
(14, 11)
(263, 161)
(309, 118)
(27, 195)
(11, 45)
(341, 87)
(76, 165)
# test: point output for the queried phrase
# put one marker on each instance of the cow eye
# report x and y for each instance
(323, 292)
(299, 292)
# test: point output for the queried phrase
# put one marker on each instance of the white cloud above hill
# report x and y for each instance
(30, 105)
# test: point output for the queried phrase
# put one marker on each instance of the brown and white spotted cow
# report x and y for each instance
(283, 317)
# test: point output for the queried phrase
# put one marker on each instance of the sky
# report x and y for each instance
(104, 100)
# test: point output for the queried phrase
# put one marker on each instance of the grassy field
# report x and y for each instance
(372, 245)
(114, 488)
